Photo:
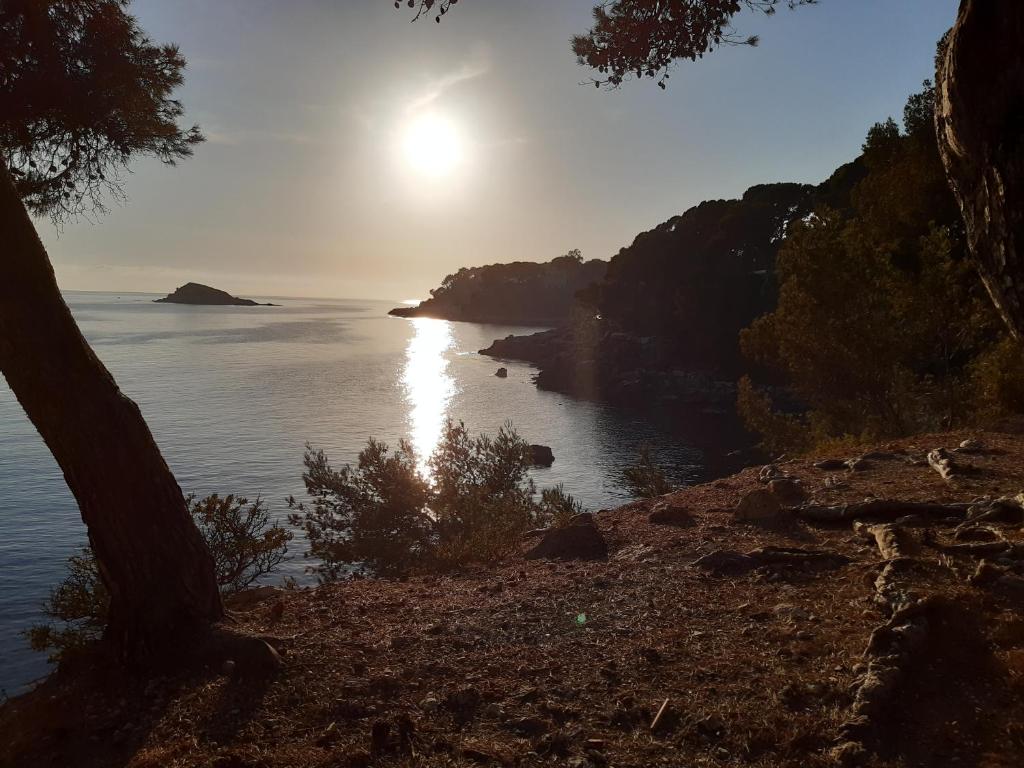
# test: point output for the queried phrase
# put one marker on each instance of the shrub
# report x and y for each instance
(558, 508)
(373, 515)
(244, 543)
(382, 516)
(80, 605)
(645, 479)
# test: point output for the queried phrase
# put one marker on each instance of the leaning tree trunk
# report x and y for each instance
(980, 122)
(152, 558)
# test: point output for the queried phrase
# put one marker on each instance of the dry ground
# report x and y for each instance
(550, 663)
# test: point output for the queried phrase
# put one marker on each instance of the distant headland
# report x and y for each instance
(196, 293)
(520, 293)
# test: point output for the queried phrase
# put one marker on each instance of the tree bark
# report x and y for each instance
(979, 117)
(152, 557)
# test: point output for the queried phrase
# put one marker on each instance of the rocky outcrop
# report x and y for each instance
(582, 541)
(541, 456)
(980, 122)
(196, 293)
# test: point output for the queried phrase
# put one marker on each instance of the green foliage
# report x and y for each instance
(558, 508)
(383, 516)
(996, 380)
(644, 38)
(82, 91)
(80, 606)
(482, 497)
(244, 543)
(880, 313)
(645, 479)
(373, 513)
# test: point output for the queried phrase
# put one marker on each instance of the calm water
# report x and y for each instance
(233, 394)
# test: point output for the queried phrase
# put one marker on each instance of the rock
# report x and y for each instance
(669, 513)
(758, 504)
(787, 490)
(501, 373)
(197, 293)
(541, 456)
(970, 446)
(574, 542)
(229, 667)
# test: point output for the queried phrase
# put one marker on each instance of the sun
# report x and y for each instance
(432, 145)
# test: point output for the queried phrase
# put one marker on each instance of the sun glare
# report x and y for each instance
(432, 145)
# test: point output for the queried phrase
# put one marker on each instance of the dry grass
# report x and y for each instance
(499, 666)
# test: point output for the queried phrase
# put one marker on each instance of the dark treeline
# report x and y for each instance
(847, 309)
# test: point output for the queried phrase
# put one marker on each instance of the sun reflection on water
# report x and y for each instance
(428, 386)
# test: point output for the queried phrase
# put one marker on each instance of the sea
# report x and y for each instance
(233, 396)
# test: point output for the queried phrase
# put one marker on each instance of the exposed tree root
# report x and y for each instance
(886, 509)
(893, 541)
(943, 463)
(729, 561)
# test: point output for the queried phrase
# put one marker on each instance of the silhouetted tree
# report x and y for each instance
(980, 120)
(82, 91)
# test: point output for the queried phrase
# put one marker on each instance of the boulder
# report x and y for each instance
(787, 490)
(759, 504)
(669, 513)
(501, 373)
(541, 456)
(573, 542)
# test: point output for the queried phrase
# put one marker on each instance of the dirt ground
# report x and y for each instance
(568, 663)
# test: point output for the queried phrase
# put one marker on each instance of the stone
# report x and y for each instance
(541, 456)
(670, 513)
(787, 490)
(501, 373)
(759, 504)
(574, 542)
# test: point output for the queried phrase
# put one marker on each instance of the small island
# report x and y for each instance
(196, 293)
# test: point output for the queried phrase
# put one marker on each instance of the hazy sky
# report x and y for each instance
(308, 184)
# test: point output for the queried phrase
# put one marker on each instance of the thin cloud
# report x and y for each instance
(478, 67)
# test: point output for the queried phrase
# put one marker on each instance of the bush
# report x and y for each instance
(558, 508)
(244, 543)
(373, 515)
(383, 517)
(80, 604)
(645, 479)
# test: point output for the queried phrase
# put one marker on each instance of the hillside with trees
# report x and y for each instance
(853, 305)
(519, 293)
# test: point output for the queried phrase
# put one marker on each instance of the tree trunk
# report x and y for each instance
(980, 122)
(152, 558)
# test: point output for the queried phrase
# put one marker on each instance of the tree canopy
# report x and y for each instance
(83, 90)
(645, 38)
